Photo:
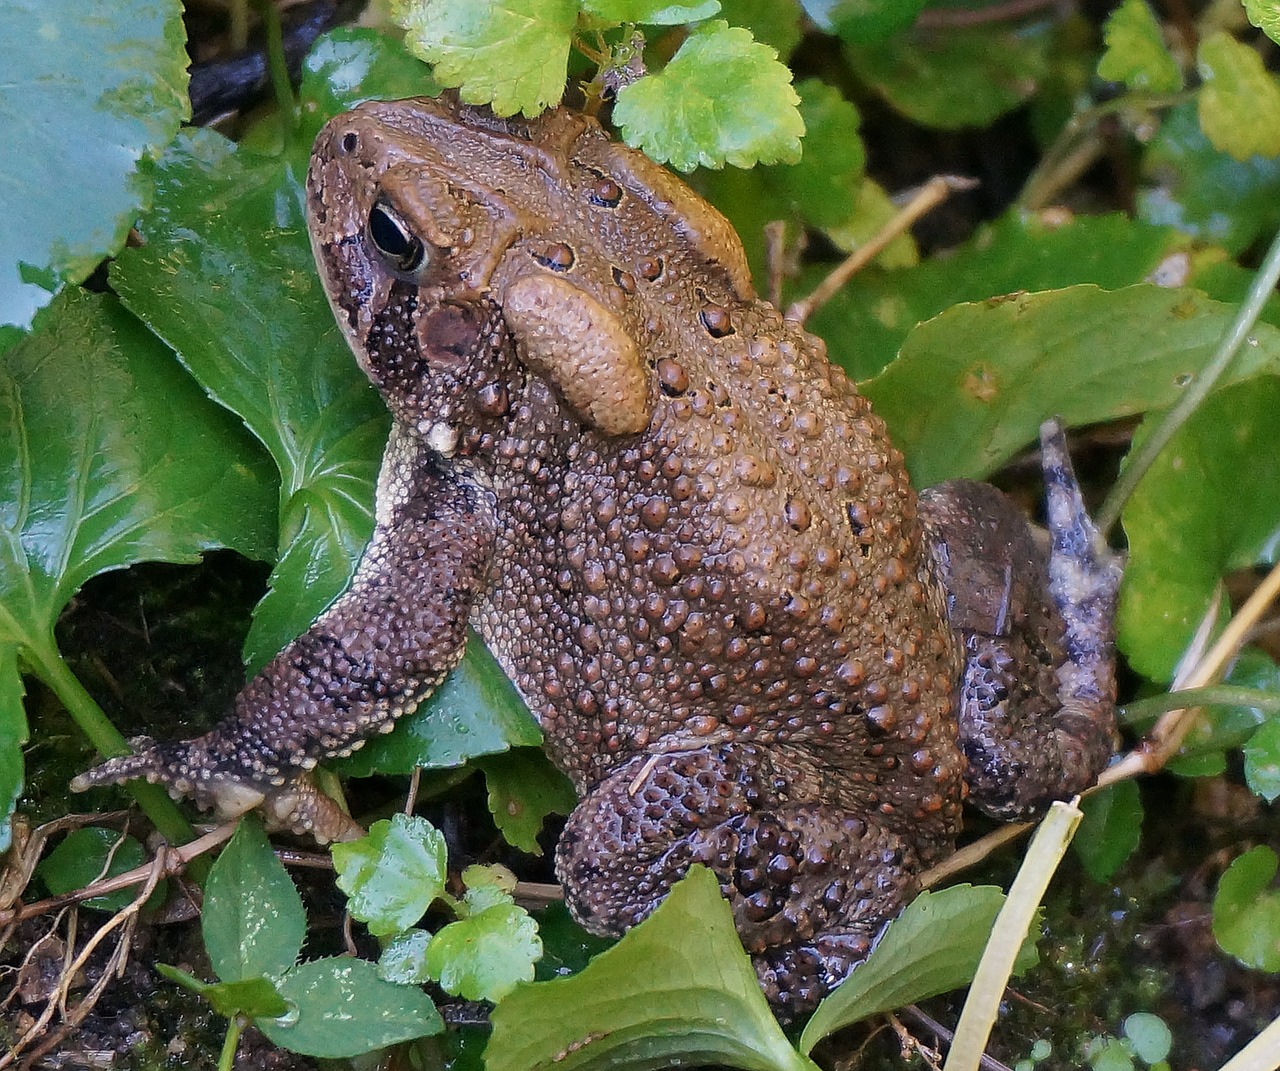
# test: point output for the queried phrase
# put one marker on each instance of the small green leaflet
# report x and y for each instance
(1136, 54)
(393, 873)
(1239, 103)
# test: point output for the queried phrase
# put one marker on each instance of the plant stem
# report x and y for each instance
(279, 67)
(1263, 286)
(226, 1058)
(1221, 695)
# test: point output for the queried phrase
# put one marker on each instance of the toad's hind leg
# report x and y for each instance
(810, 885)
(1037, 701)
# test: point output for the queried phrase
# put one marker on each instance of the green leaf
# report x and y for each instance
(1246, 910)
(566, 947)
(487, 886)
(1149, 1035)
(957, 78)
(85, 855)
(284, 370)
(1264, 14)
(523, 789)
(404, 958)
(652, 12)
(822, 188)
(344, 1009)
(393, 873)
(253, 922)
(509, 54)
(676, 989)
(863, 22)
(723, 98)
(1239, 102)
(1221, 729)
(476, 711)
(1110, 830)
(97, 475)
(933, 947)
(1262, 761)
(1136, 54)
(89, 99)
(866, 324)
(775, 23)
(484, 955)
(1206, 193)
(252, 997)
(1206, 507)
(972, 385)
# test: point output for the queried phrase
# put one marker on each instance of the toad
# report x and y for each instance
(684, 535)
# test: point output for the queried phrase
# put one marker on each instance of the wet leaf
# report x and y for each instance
(392, 874)
(1246, 910)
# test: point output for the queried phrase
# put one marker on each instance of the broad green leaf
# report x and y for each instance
(226, 278)
(252, 997)
(566, 947)
(1264, 14)
(510, 54)
(1136, 54)
(484, 955)
(523, 789)
(972, 385)
(677, 989)
(775, 23)
(866, 324)
(653, 12)
(955, 78)
(253, 922)
(933, 947)
(353, 64)
(392, 874)
(1246, 910)
(1262, 761)
(723, 98)
(1207, 506)
(476, 711)
(97, 475)
(343, 1009)
(1239, 102)
(89, 97)
(87, 854)
(863, 22)
(1206, 193)
(822, 188)
(1110, 830)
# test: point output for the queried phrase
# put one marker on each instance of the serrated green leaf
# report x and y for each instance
(404, 958)
(775, 23)
(344, 1009)
(1239, 102)
(253, 922)
(957, 78)
(723, 98)
(89, 99)
(1136, 53)
(1206, 507)
(487, 886)
(1264, 14)
(285, 370)
(1246, 910)
(392, 874)
(677, 989)
(252, 997)
(476, 711)
(1188, 184)
(484, 956)
(1262, 761)
(864, 22)
(87, 854)
(866, 324)
(523, 789)
(509, 54)
(1110, 830)
(971, 386)
(932, 947)
(652, 12)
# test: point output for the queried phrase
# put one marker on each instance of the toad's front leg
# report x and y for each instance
(375, 654)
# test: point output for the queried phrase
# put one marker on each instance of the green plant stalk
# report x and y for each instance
(279, 68)
(49, 666)
(1262, 287)
(1220, 695)
(227, 1058)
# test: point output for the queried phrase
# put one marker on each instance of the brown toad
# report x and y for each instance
(684, 535)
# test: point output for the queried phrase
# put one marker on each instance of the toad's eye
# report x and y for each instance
(403, 250)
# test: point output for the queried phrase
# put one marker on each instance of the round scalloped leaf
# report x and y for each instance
(1246, 910)
(88, 96)
(1136, 54)
(1239, 103)
(392, 873)
(652, 12)
(484, 955)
